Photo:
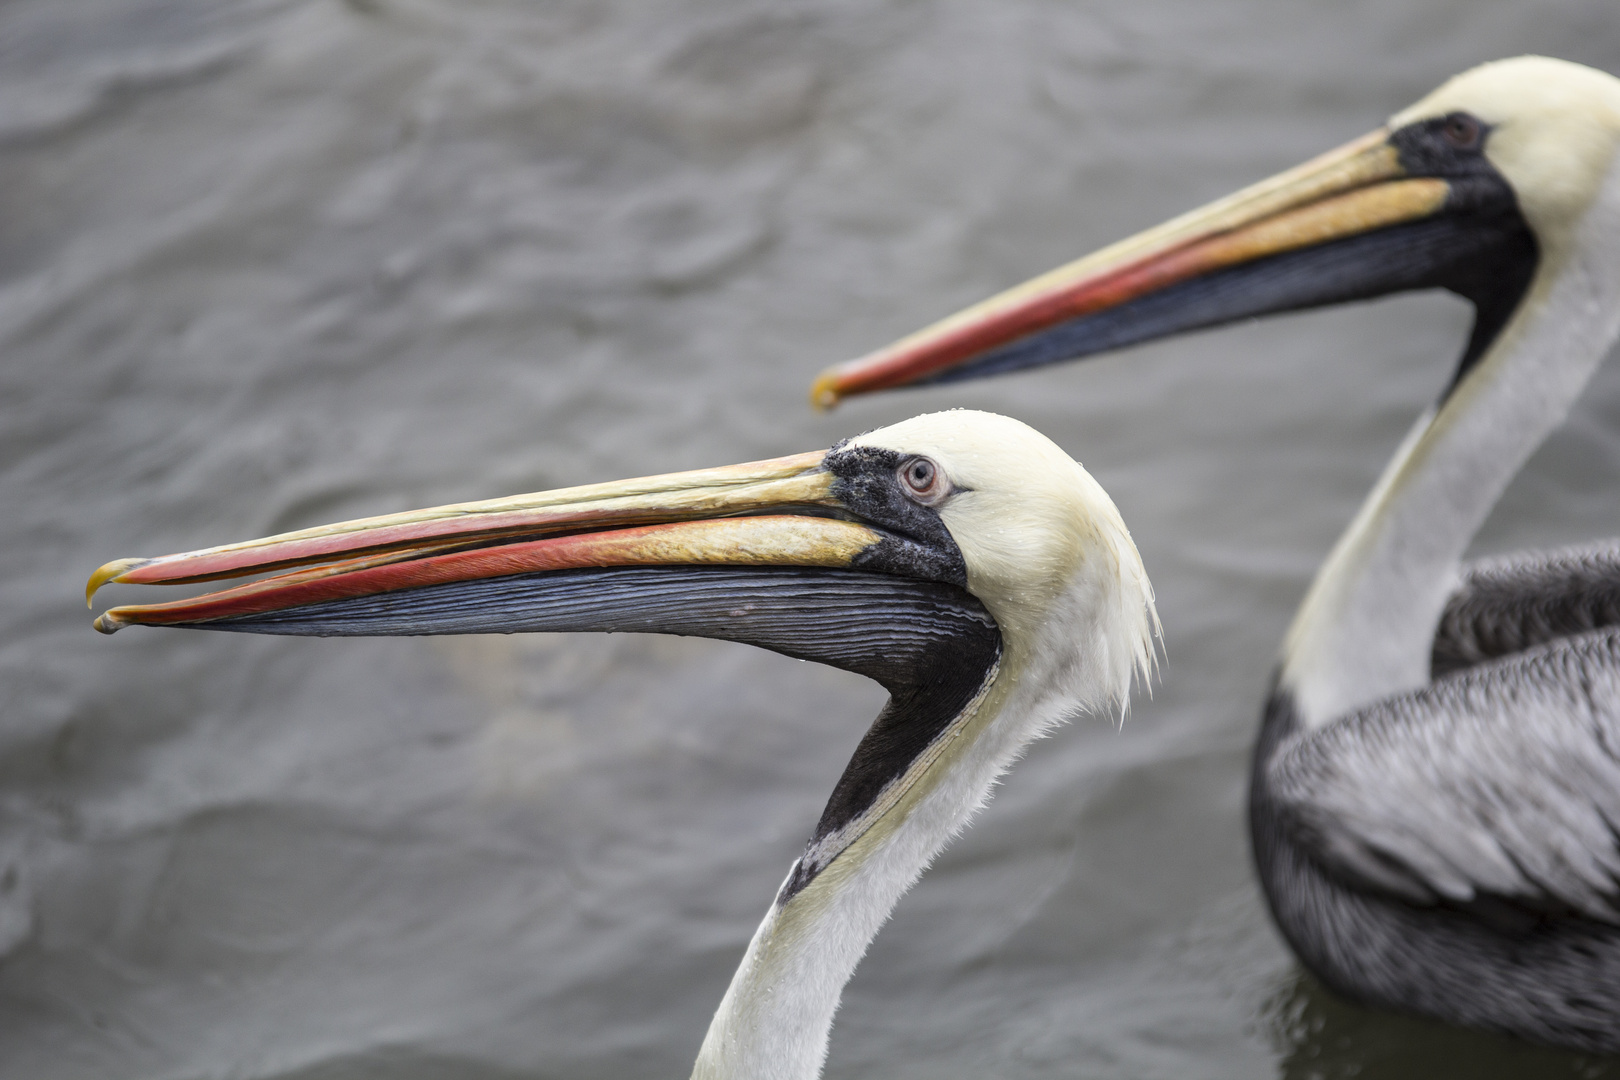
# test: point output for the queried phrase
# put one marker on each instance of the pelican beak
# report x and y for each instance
(1357, 222)
(475, 567)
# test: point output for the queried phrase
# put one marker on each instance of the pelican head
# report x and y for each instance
(960, 559)
(1492, 186)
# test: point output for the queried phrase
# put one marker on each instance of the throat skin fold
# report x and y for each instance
(1366, 627)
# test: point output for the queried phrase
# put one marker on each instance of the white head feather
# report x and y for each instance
(1046, 550)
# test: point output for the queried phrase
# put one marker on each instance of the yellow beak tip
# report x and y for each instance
(110, 572)
(824, 395)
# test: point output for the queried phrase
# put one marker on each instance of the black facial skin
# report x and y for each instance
(916, 544)
(1451, 147)
(1494, 268)
(900, 616)
(1477, 246)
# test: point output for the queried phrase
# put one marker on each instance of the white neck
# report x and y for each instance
(1367, 625)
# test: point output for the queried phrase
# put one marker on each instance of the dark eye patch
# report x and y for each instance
(1450, 147)
(919, 546)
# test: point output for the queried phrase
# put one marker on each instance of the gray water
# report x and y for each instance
(270, 264)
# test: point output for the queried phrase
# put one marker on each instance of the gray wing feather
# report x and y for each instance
(1508, 604)
(1500, 782)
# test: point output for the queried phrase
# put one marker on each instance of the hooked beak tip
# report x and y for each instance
(110, 572)
(824, 394)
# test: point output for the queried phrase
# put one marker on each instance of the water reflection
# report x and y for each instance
(1320, 1036)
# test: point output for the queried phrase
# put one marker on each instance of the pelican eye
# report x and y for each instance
(923, 480)
(1462, 131)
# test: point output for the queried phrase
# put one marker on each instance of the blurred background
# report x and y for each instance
(266, 264)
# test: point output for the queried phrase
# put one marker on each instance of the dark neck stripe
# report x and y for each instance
(917, 715)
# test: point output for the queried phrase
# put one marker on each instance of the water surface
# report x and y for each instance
(270, 264)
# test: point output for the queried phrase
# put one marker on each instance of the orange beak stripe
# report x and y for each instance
(776, 540)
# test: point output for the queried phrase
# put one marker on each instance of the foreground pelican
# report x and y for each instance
(960, 559)
(1435, 796)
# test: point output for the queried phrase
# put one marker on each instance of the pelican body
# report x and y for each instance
(960, 559)
(1435, 796)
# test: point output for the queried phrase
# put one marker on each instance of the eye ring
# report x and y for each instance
(1462, 131)
(922, 480)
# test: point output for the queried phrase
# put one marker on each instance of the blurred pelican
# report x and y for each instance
(1435, 796)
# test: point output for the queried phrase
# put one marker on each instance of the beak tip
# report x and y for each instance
(108, 623)
(824, 394)
(110, 572)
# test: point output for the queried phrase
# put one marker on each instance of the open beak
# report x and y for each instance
(456, 569)
(1335, 228)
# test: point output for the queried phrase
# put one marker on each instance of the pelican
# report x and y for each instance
(960, 559)
(1435, 794)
